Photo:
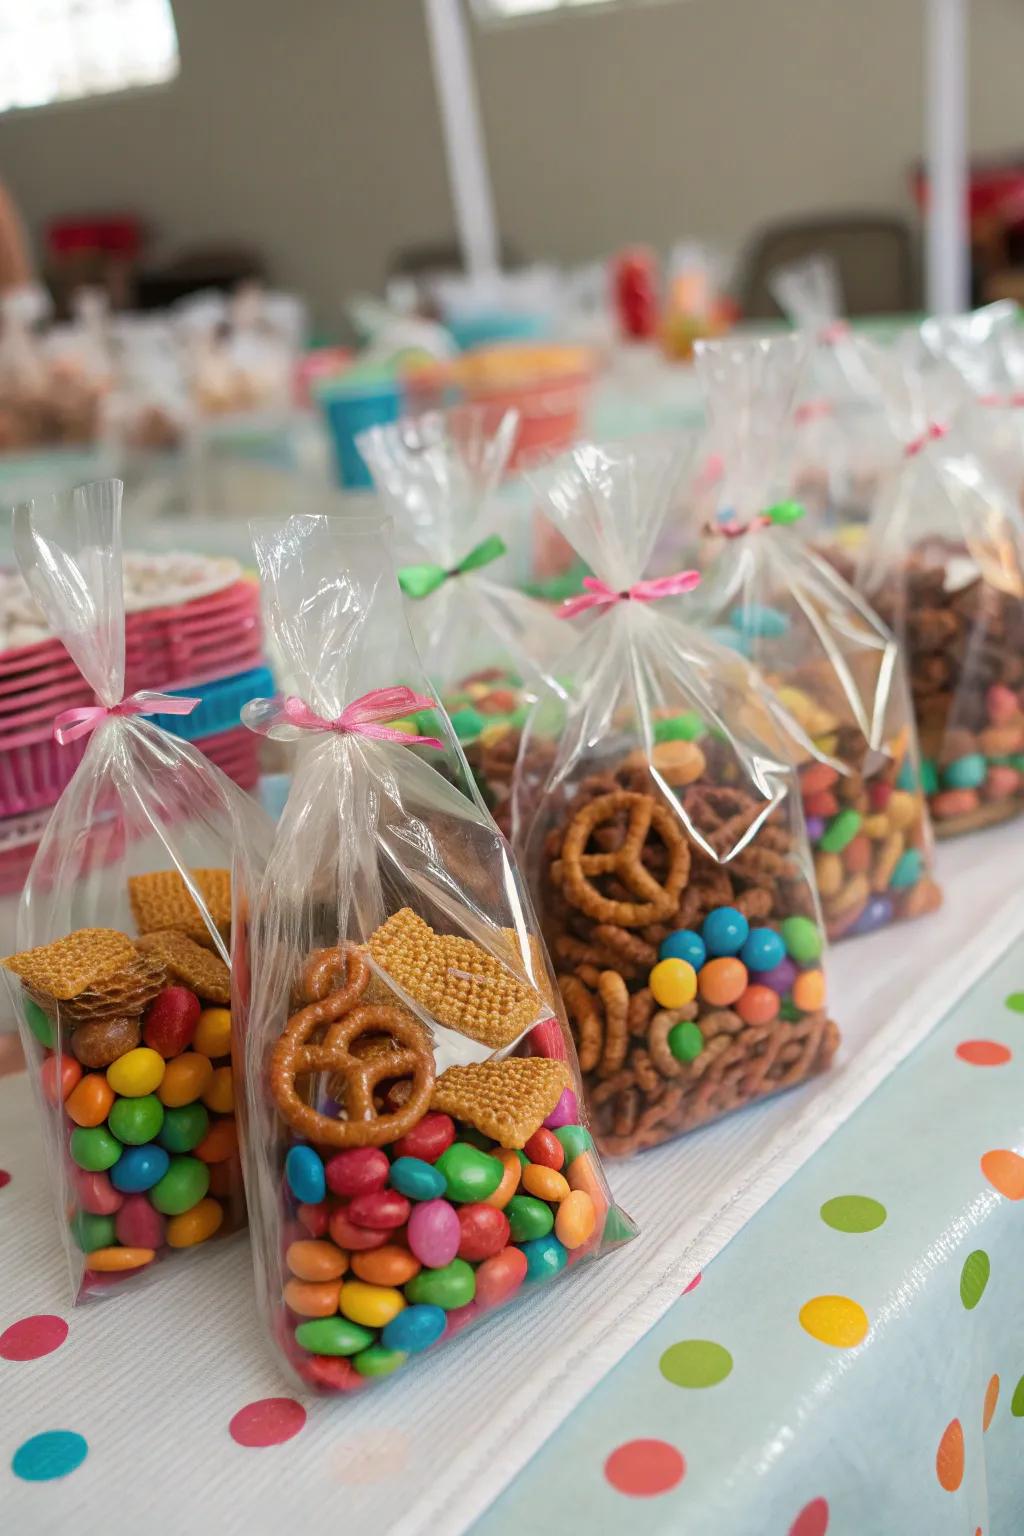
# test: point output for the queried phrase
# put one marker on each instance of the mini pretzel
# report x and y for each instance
(354, 1077)
(615, 1000)
(578, 868)
(585, 1019)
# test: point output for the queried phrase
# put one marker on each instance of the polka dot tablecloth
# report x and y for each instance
(853, 1363)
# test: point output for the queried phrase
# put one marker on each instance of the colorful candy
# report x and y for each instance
(305, 1174)
(136, 1073)
(434, 1233)
(470, 1174)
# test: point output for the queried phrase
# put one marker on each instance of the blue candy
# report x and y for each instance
(907, 871)
(965, 772)
(139, 1168)
(415, 1328)
(758, 619)
(419, 1180)
(763, 950)
(686, 945)
(906, 778)
(304, 1171)
(545, 1256)
(731, 638)
(725, 931)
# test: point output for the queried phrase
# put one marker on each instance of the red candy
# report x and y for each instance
(356, 1239)
(95, 1193)
(138, 1225)
(433, 1135)
(70, 1076)
(1002, 704)
(879, 794)
(824, 803)
(498, 1277)
(357, 1171)
(817, 777)
(545, 1148)
(484, 1231)
(460, 1317)
(313, 1218)
(381, 1209)
(857, 855)
(330, 1373)
(170, 1021)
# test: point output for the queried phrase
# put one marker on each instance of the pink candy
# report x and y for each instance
(96, 1194)
(434, 1233)
(565, 1112)
(138, 1225)
(1002, 704)
(1001, 780)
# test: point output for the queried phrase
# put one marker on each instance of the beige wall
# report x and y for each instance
(309, 127)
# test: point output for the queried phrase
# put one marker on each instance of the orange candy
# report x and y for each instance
(213, 1032)
(722, 982)
(582, 1173)
(809, 991)
(816, 778)
(390, 1265)
(107, 1261)
(857, 855)
(185, 1079)
(575, 1220)
(758, 1005)
(509, 1179)
(313, 1260)
(220, 1095)
(70, 1075)
(90, 1102)
(219, 1143)
(194, 1226)
(544, 1183)
(308, 1299)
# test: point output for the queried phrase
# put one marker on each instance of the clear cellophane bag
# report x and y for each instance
(658, 816)
(405, 1055)
(818, 645)
(840, 445)
(943, 564)
(486, 647)
(986, 349)
(121, 982)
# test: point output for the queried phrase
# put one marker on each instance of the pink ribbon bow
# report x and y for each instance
(364, 716)
(932, 433)
(1014, 401)
(813, 410)
(836, 330)
(598, 593)
(72, 723)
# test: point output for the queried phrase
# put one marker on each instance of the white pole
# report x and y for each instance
(946, 251)
(464, 145)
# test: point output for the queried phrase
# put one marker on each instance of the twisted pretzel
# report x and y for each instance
(354, 1075)
(576, 869)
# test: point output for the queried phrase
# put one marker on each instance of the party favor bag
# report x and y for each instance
(121, 982)
(828, 657)
(416, 1153)
(486, 647)
(986, 349)
(943, 563)
(665, 844)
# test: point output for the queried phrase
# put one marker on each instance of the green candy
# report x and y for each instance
(784, 513)
(685, 1040)
(685, 727)
(92, 1232)
(528, 1218)
(467, 723)
(333, 1336)
(929, 776)
(790, 1012)
(802, 939)
(38, 1022)
(524, 1161)
(469, 1173)
(94, 1149)
(451, 1286)
(136, 1121)
(841, 830)
(475, 1138)
(575, 1139)
(378, 1361)
(184, 1128)
(183, 1185)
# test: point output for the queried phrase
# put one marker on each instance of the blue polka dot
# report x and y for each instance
(52, 1454)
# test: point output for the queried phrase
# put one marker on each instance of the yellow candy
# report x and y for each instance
(673, 983)
(136, 1072)
(799, 704)
(220, 1095)
(828, 869)
(544, 1183)
(826, 744)
(875, 826)
(901, 810)
(213, 1032)
(492, 733)
(575, 1220)
(371, 1305)
(109, 1261)
(194, 1226)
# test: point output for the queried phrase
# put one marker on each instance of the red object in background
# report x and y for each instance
(993, 191)
(110, 234)
(635, 292)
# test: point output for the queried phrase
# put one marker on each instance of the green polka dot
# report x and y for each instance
(853, 1213)
(695, 1363)
(1017, 1401)
(1015, 1002)
(974, 1278)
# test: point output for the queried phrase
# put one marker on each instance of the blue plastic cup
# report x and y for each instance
(352, 406)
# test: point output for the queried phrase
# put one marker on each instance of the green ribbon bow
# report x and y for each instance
(420, 580)
(785, 512)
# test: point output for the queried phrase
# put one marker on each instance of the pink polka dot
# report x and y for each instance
(644, 1468)
(271, 1421)
(32, 1337)
(5, 1177)
(698, 1277)
(984, 1053)
(812, 1519)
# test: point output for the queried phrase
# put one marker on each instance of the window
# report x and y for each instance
(60, 50)
(512, 10)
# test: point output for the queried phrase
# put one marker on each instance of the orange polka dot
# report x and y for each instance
(949, 1458)
(1005, 1172)
(984, 1053)
(991, 1399)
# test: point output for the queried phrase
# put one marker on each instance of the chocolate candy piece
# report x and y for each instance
(102, 1042)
